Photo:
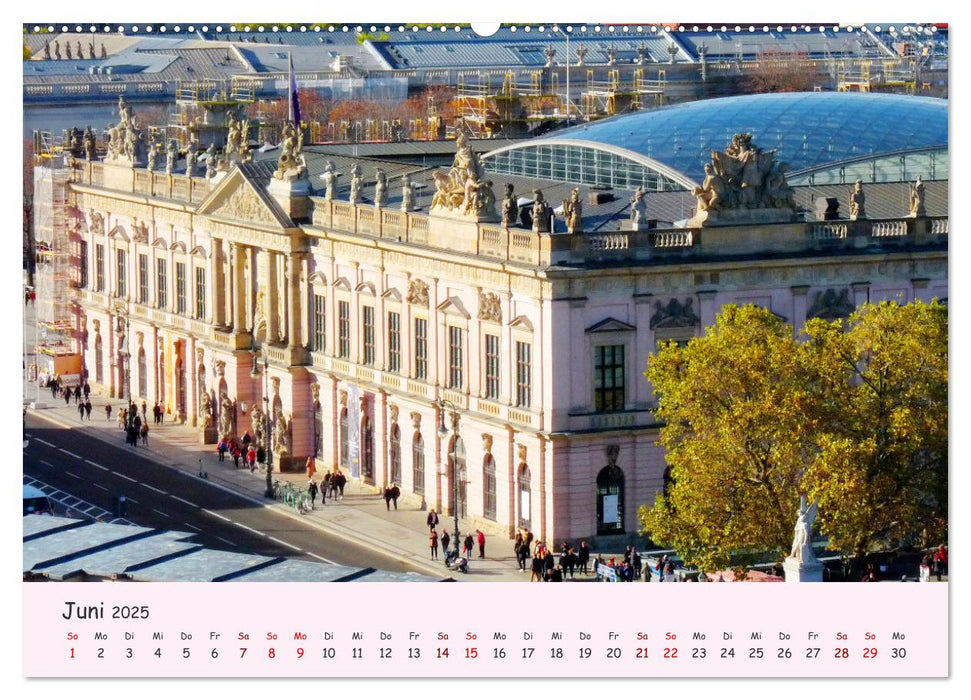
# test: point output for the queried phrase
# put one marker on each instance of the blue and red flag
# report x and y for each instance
(294, 113)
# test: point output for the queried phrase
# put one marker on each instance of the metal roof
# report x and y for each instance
(808, 130)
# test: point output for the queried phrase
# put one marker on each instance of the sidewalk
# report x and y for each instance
(361, 517)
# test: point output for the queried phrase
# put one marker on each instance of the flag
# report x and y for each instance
(294, 113)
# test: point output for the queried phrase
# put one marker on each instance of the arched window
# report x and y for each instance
(489, 487)
(344, 447)
(394, 454)
(367, 449)
(523, 496)
(610, 501)
(142, 374)
(418, 463)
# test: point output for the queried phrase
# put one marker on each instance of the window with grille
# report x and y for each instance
(122, 270)
(492, 366)
(200, 292)
(421, 348)
(142, 279)
(367, 325)
(83, 266)
(608, 378)
(394, 341)
(180, 288)
(455, 344)
(418, 463)
(161, 284)
(99, 268)
(343, 329)
(320, 319)
(524, 374)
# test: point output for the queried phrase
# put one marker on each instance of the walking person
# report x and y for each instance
(156, 411)
(312, 490)
(81, 410)
(341, 480)
(395, 493)
(433, 543)
(387, 498)
(522, 555)
(311, 467)
(87, 409)
(324, 488)
(237, 453)
(108, 411)
(87, 391)
(144, 433)
(432, 519)
(251, 458)
(583, 556)
(67, 396)
(445, 540)
(221, 449)
(467, 546)
(480, 537)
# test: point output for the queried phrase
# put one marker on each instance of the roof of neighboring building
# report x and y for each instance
(808, 130)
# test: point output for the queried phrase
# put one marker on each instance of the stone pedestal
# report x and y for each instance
(292, 193)
(208, 436)
(797, 571)
(736, 217)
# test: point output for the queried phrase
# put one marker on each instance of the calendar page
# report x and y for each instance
(428, 313)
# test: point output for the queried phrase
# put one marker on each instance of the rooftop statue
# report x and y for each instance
(330, 177)
(510, 207)
(407, 194)
(291, 165)
(857, 201)
(743, 185)
(917, 198)
(380, 188)
(171, 156)
(573, 212)
(461, 191)
(357, 182)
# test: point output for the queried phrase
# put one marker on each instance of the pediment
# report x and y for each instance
(118, 232)
(453, 305)
(610, 325)
(236, 199)
(392, 295)
(522, 323)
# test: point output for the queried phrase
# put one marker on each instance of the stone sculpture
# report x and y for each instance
(857, 201)
(281, 436)
(211, 161)
(510, 207)
(291, 164)
(802, 550)
(542, 213)
(407, 194)
(917, 198)
(259, 426)
(152, 156)
(462, 192)
(330, 177)
(171, 156)
(573, 212)
(205, 411)
(191, 153)
(357, 183)
(89, 144)
(380, 188)
(226, 413)
(743, 184)
(638, 211)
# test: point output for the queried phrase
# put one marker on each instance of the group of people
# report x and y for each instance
(56, 385)
(933, 565)
(468, 544)
(243, 449)
(331, 486)
(135, 426)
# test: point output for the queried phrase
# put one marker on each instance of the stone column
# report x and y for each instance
(294, 306)
(218, 296)
(271, 299)
(239, 290)
(708, 310)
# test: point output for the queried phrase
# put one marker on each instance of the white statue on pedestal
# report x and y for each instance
(802, 549)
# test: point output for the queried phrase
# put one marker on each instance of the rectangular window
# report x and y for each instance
(492, 367)
(455, 345)
(142, 279)
(421, 348)
(200, 292)
(161, 284)
(121, 265)
(608, 378)
(367, 331)
(394, 341)
(99, 267)
(320, 319)
(524, 374)
(180, 288)
(83, 266)
(343, 329)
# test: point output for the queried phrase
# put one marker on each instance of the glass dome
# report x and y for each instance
(808, 130)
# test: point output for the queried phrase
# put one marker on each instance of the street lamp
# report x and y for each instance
(443, 433)
(255, 373)
(122, 312)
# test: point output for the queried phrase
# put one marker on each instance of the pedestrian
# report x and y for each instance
(387, 497)
(156, 411)
(522, 555)
(940, 562)
(311, 467)
(77, 394)
(33, 296)
(341, 480)
(395, 493)
(583, 556)
(246, 441)
(445, 539)
(87, 409)
(467, 546)
(432, 519)
(924, 570)
(548, 562)
(480, 537)
(433, 543)
(67, 397)
(536, 569)
(325, 488)
(221, 448)
(251, 458)
(81, 410)
(636, 562)
(87, 391)
(161, 415)
(312, 490)
(237, 453)
(108, 411)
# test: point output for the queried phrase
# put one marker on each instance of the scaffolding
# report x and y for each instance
(58, 262)
(605, 98)
(203, 108)
(878, 75)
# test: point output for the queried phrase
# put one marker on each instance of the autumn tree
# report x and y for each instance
(854, 416)
(781, 71)
(737, 411)
(880, 474)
